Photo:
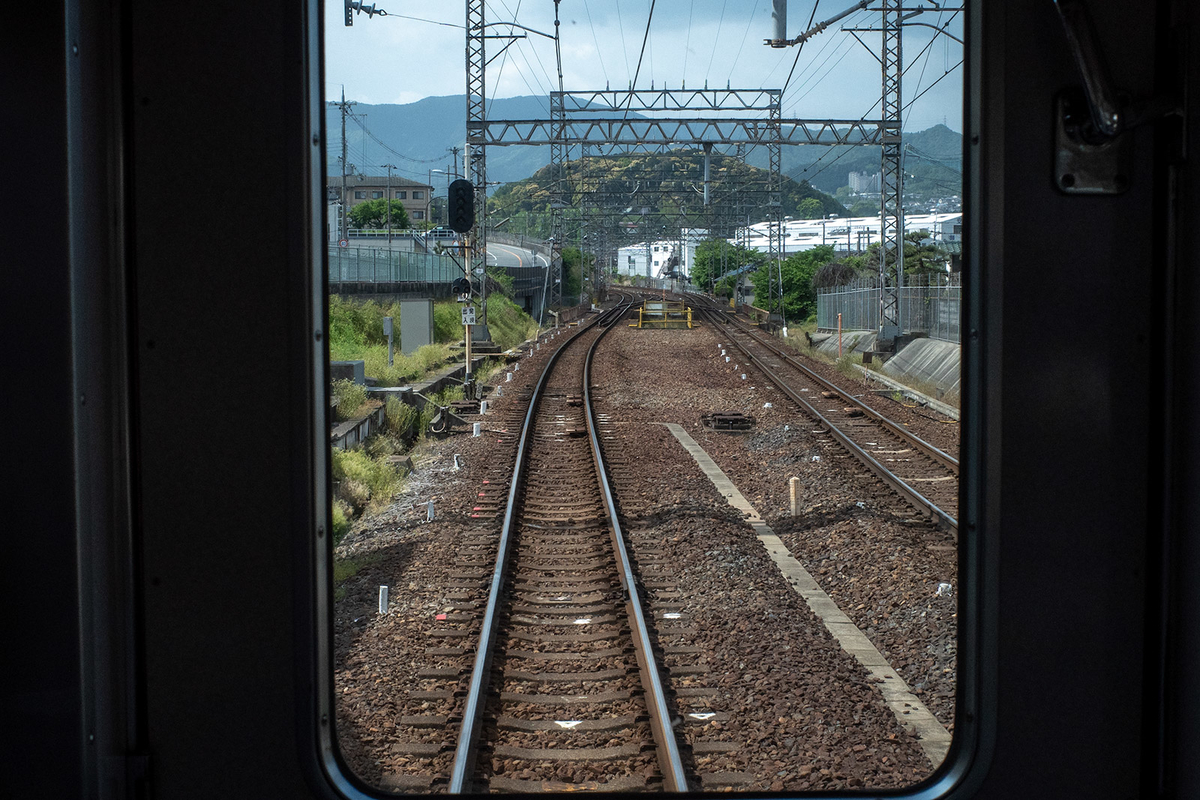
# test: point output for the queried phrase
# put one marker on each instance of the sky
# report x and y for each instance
(418, 50)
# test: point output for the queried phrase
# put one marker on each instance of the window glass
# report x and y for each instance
(771, 690)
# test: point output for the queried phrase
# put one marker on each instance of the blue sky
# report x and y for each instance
(407, 55)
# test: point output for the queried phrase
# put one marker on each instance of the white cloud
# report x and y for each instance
(394, 59)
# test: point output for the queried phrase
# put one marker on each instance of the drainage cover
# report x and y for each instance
(728, 421)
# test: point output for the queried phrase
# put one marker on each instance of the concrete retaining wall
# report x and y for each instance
(927, 360)
(921, 361)
(354, 431)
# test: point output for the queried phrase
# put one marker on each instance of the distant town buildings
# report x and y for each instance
(413, 195)
(865, 182)
(655, 259)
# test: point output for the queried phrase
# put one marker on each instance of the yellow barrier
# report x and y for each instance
(663, 314)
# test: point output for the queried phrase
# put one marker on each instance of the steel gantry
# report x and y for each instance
(732, 117)
(590, 118)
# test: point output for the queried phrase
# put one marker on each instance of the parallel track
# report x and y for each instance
(921, 473)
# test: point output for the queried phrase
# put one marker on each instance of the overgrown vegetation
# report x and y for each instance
(399, 418)
(351, 399)
(661, 182)
(364, 482)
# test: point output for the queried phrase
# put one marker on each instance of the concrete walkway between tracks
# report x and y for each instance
(910, 711)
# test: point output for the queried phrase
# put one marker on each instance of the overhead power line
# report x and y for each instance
(381, 143)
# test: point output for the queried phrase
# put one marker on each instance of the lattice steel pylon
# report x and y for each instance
(775, 248)
(558, 198)
(891, 217)
(476, 135)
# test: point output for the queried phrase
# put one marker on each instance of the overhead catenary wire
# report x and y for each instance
(503, 63)
(599, 50)
(717, 38)
(799, 50)
(386, 147)
(742, 46)
(645, 38)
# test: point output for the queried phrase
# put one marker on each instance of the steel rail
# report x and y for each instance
(669, 759)
(464, 754)
(668, 749)
(890, 478)
(945, 459)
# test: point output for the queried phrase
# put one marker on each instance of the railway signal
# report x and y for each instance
(460, 205)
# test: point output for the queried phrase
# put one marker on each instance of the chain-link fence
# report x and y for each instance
(929, 304)
(380, 265)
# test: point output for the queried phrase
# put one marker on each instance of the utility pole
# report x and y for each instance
(345, 109)
(388, 198)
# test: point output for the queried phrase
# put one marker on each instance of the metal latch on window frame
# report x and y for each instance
(1093, 148)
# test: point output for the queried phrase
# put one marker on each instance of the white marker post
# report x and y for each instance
(383, 599)
(468, 319)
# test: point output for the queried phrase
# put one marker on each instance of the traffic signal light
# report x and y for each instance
(460, 206)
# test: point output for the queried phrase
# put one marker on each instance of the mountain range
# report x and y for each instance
(416, 137)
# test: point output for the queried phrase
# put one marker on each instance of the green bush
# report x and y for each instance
(341, 524)
(447, 322)
(350, 399)
(399, 417)
(363, 481)
(507, 323)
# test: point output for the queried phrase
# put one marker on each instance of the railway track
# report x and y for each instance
(565, 692)
(922, 474)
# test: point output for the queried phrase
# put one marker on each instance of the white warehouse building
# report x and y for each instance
(846, 234)
(651, 259)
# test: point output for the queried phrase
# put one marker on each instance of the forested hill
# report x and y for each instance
(933, 156)
(670, 185)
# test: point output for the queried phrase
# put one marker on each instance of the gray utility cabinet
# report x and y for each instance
(416, 324)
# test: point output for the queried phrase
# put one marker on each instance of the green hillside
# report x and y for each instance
(932, 163)
(668, 185)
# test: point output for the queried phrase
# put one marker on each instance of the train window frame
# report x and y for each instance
(973, 741)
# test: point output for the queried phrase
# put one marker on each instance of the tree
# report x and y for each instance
(799, 294)
(374, 214)
(864, 208)
(716, 257)
(572, 278)
(811, 208)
